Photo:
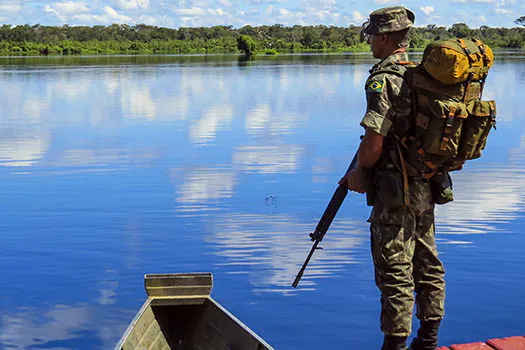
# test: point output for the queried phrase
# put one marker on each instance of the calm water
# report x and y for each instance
(114, 167)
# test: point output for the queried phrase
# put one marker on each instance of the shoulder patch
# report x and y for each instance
(376, 85)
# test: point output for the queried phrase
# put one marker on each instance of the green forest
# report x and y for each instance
(30, 40)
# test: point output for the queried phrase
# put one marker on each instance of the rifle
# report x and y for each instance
(326, 220)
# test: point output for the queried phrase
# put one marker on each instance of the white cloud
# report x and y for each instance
(194, 11)
(109, 16)
(215, 12)
(143, 3)
(70, 7)
(51, 10)
(284, 12)
(226, 3)
(475, 1)
(114, 14)
(239, 13)
(130, 4)
(504, 11)
(428, 10)
(124, 4)
(15, 7)
(386, 2)
(356, 16)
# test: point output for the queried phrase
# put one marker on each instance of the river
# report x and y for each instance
(113, 167)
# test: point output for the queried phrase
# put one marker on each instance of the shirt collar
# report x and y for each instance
(390, 60)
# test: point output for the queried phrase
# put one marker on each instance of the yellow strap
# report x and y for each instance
(483, 51)
(448, 128)
(465, 48)
(428, 163)
(405, 63)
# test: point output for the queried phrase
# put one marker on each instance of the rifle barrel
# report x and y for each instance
(326, 220)
(300, 274)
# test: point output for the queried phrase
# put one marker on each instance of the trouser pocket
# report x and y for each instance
(389, 191)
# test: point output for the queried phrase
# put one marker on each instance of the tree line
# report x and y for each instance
(141, 38)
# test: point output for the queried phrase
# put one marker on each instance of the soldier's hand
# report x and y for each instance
(354, 181)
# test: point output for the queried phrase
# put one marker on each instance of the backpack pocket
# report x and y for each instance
(440, 127)
(476, 128)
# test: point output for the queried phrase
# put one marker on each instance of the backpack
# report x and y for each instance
(452, 122)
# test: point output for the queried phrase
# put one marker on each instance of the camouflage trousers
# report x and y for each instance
(406, 261)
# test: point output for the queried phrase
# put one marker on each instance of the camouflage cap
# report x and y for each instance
(389, 19)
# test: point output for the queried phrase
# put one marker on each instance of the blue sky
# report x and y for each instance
(179, 13)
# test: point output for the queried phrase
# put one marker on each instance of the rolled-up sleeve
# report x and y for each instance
(376, 122)
(378, 105)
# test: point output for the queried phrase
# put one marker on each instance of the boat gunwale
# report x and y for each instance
(133, 323)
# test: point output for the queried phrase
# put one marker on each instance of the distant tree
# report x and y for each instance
(246, 44)
(460, 30)
(121, 38)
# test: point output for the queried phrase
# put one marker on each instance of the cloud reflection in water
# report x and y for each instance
(60, 327)
(198, 188)
(23, 152)
(278, 244)
(284, 159)
(482, 199)
(216, 118)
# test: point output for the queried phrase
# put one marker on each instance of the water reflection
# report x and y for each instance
(203, 187)
(23, 152)
(262, 122)
(31, 328)
(138, 103)
(277, 244)
(482, 200)
(60, 327)
(216, 118)
(192, 143)
(34, 107)
(67, 91)
(281, 159)
(485, 197)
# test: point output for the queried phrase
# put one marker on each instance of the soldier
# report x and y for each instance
(402, 219)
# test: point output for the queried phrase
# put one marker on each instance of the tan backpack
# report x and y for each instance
(452, 121)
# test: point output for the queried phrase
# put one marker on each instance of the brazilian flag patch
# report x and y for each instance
(376, 86)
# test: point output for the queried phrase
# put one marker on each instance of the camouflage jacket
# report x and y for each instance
(388, 98)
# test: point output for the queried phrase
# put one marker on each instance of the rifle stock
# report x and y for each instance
(326, 220)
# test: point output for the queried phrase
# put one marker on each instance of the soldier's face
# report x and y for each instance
(377, 44)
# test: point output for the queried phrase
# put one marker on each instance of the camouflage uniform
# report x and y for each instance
(402, 236)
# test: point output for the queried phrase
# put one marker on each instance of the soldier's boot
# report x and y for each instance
(392, 342)
(427, 336)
